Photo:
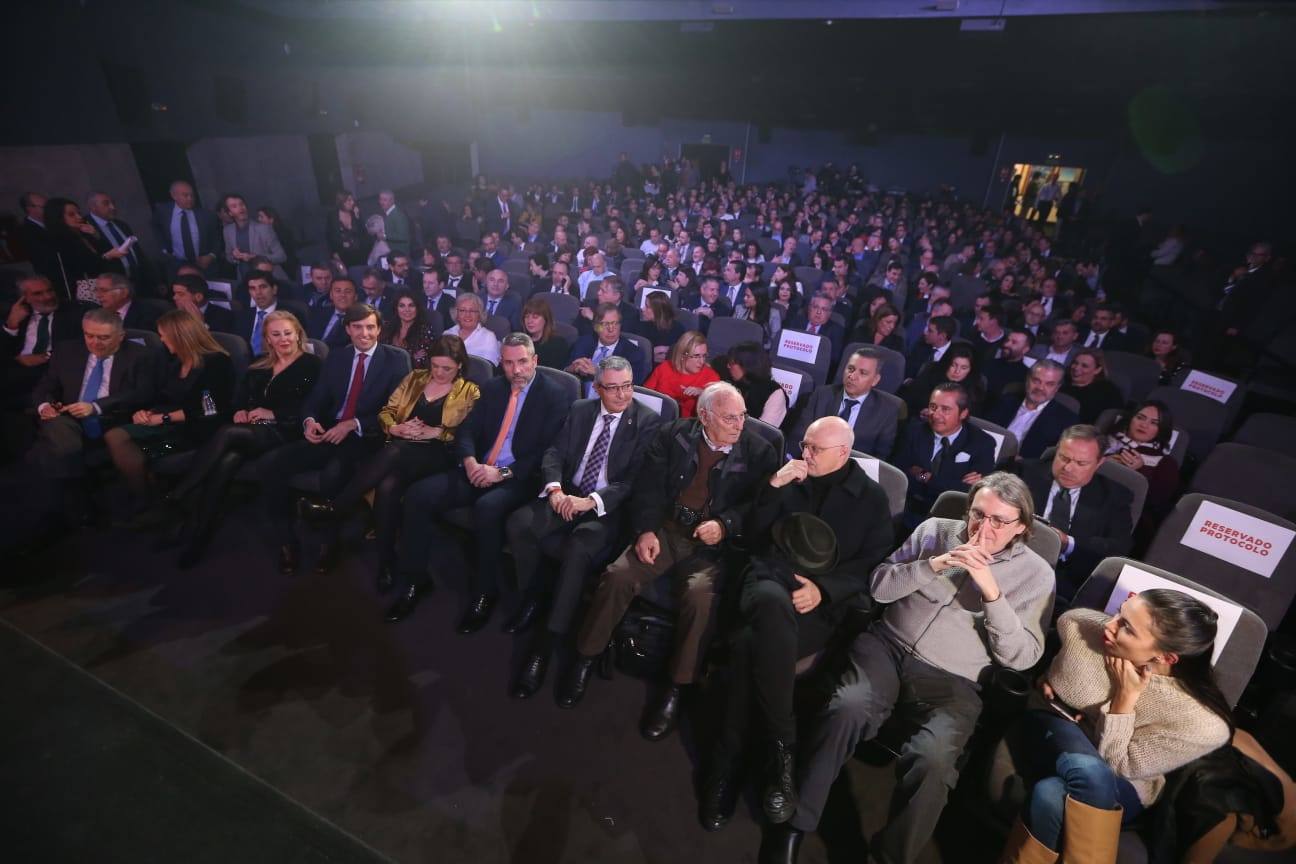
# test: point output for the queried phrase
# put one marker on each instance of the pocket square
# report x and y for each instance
(960, 458)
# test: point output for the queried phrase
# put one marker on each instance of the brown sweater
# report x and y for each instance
(1168, 729)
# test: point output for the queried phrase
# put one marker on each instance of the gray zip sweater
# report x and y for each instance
(940, 617)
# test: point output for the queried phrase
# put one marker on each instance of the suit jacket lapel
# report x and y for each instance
(624, 435)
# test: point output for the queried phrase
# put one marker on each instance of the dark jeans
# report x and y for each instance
(421, 532)
(1062, 762)
(882, 678)
(389, 472)
(584, 544)
(774, 636)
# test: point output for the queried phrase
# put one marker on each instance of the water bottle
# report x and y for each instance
(208, 404)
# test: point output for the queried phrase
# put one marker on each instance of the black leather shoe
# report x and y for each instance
(718, 800)
(780, 845)
(386, 578)
(405, 605)
(330, 555)
(780, 798)
(523, 619)
(572, 689)
(477, 615)
(288, 559)
(660, 719)
(315, 511)
(531, 678)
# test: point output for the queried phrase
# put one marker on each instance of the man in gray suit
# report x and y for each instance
(245, 239)
(873, 416)
(395, 222)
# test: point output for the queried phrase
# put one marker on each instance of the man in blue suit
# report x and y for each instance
(187, 234)
(328, 323)
(606, 341)
(341, 419)
(499, 302)
(942, 452)
(818, 321)
(502, 445)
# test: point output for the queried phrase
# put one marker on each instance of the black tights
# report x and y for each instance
(389, 472)
(217, 461)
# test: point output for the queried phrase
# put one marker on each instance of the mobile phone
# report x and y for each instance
(1065, 710)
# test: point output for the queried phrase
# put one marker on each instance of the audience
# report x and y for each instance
(942, 452)
(685, 373)
(1037, 421)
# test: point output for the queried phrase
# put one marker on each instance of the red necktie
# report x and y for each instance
(353, 396)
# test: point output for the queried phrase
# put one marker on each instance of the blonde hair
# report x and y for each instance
(684, 346)
(267, 360)
(189, 335)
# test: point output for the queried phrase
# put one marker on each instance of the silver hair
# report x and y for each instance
(105, 316)
(514, 340)
(715, 391)
(118, 281)
(1050, 365)
(472, 299)
(612, 364)
(1014, 492)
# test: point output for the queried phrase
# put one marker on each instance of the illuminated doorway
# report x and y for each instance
(1027, 182)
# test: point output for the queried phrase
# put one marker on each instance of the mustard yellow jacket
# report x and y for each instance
(458, 402)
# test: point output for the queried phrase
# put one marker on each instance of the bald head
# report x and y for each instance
(826, 445)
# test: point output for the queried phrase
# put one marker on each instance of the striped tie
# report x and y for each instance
(594, 464)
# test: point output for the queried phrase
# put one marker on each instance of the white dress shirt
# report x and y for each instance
(855, 409)
(480, 343)
(953, 439)
(1024, 419)
(589, 448)
(30, 328)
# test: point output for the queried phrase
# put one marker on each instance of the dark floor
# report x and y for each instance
(403, 735)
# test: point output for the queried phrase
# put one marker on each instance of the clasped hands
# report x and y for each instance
(569, 506)
(972, 557)
(415, 429)
(317, 434)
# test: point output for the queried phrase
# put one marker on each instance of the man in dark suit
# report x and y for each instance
(37, 321)
(734, 289)
(942, 452)
(707, 303)
(605, 341)
(328, 323)
(611, 290)
(1103, 333)
(1010, 365)
(187, 234)
(499, 302)
(872, 416)
(88, 387)
(587, 474)
(1234, 337)
(501, 214)
(935, 341)
(35, 236)
(103, 211)
(1090, 513)
(693, 497)
(263, 290)
(341, 420)
(116, 294)
(818, 321)
(501, 444)
(784, 622)
(1037, 421)
(189, 292)
(375, 292)
(436, 300)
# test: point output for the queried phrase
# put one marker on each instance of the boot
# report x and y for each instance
(1023, 848)
(780, 799)
(1090, 835)
(780, 844)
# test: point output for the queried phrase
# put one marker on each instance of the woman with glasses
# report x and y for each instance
(685, 374)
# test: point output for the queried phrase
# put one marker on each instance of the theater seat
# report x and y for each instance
(1263, 478)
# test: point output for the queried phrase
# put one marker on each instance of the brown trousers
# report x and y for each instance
(694, 579)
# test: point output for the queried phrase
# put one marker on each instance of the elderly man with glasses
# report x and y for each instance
(692, 499)
(963, 596)
(783, 622)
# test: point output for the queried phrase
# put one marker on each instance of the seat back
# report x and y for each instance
(1139, 374)
(566, 331)
(630, 268)
(769, 433)
(568, 382)
(239, 351)
(318, 347)
(147, 338)
(1262, 478)
(498, 325)
(1242, 632)
(1178, 440)
(1205, 418)
(892, 480)
(1066, 400)
(1005, 442)
(785, 351)
(1043, 541)
(1239, 550)
(480, 370)
(797, 383)
(519, 283)
(665, 407)
(565, 307)
(645, 348)
(1132, 480)
(517, 266)
(892, 369)
(726, 332)
(1268, 431)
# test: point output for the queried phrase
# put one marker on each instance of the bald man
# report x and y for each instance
(783, 624)
(188, 234)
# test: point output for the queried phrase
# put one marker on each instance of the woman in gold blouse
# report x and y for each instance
(419, 421)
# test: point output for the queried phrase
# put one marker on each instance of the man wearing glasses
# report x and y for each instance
(579, 517)
(692, 497)
(589, 351)
(783, 623)
(962, 597)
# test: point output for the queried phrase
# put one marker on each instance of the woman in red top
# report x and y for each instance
(685, 372)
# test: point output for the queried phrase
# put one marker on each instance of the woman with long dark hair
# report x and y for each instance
(552, 350)
(348, 241)
(959, 365)
(81, 252)
(1169, 354)
(1140, 440)
(1088, 383)
(659, 325)
(1129, 698)
(409, 328)
(748, 368)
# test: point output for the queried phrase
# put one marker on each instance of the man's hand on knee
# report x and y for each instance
(647, 547)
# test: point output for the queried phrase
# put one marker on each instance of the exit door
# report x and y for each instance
(1029, 180)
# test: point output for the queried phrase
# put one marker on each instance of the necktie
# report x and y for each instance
(814, 329)
(353, 395)
(186, 235)
(256, 332)
(42, 334)
(594, 464)
(939, 458)
(847, 407)
(600, 354)
(1060, 515)
(504, 428)
(490, 307)
(89, 393)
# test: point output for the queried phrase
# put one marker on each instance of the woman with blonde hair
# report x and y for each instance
(268, 414)
(419, 422)
(685, 373)
(194, 396)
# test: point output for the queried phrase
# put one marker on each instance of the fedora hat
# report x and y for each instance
(806, 542)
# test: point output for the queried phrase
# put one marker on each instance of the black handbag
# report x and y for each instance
(643, 641)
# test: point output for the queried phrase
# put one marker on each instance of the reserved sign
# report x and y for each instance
(1132, 580)
(1245, 541)
(789, 381)
(802, 347)
(870, 466)
(1211, 386)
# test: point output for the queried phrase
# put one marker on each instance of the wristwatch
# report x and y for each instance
(505, 473)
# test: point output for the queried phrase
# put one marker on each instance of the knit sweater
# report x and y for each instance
(1168, 729)
(940, 617)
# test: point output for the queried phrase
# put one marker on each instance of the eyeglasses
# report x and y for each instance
(815, 449)
(731, 419)
(616, 388)
(976, 514)
(608, 325)
(696, 356)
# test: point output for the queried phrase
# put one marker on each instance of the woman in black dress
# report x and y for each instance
(881, 328)
(269, 404)
(81, 252)
(348, 241)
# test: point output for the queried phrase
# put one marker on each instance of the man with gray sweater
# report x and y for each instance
(963, 596)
